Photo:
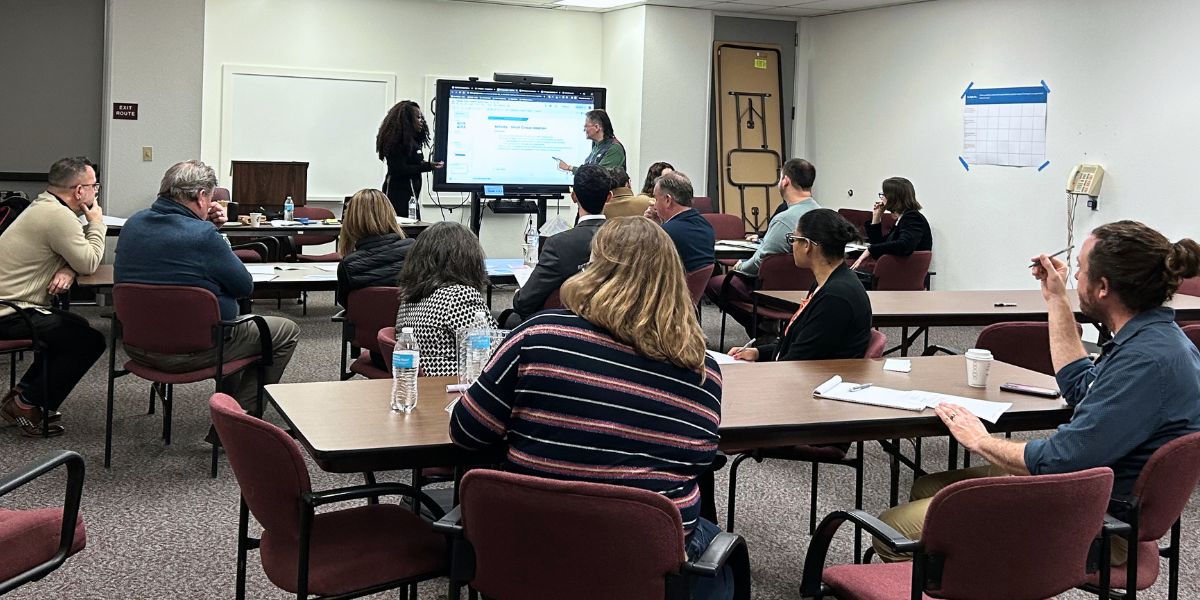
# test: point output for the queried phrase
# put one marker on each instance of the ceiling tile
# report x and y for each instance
(735, 7)
(844, 5)
(798, 11)
(683, 3)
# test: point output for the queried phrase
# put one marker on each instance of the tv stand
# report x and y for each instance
(510, 204)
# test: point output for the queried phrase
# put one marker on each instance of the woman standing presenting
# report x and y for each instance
(401, 142)
(607, 150)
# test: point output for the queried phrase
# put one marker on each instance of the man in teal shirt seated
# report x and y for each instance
(795, 184)
(1142, 392)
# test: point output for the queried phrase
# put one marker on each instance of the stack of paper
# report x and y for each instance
(724, 359)
(915, 400)
(522, 273)
(260, 277)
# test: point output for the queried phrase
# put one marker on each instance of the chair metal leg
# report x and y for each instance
(45, 395)
(1173, 563)
(952, 454)
(894, 484)
(731, 509)
(369, 479)
(860, 467)
(724, 316)
(966, 459)
(812, 498)
(168, 409)
(903, 341)
(243, 546)
(108, 415)
(153, 389)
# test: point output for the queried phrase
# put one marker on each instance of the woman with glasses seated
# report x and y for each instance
(616, 389)
(834, 320)
(911, 232)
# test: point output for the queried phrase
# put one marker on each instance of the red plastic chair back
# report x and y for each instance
(1190, 286)
(538, 538)
(697, 280)
(1165, 485)
(860, 218)
(370, 309)
(779, 272)
(876, 346)
(905, 273)
(1043, 526)
(267, 464)
(1192, 332)
(1025, 344)
(726, 227)
(702, 204)
(170, 319)
(316, 214)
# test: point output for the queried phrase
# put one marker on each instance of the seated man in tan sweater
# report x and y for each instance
(40, 254)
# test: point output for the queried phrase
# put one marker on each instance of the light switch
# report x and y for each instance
(147, 153)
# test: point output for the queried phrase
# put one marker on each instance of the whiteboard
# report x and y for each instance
(328, 119)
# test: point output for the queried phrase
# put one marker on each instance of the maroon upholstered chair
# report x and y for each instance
(367, 311)
(697, 280)
(220, 193)
(903, 273)
(345, 553)
(1190, 286)
(1159, 498)
(35, 542)
(984, 539)
(148, 317)
(553, 301)
(534, 539)
(726, 227)
(300, 241)
(17, 348)
(829, 454)
(1025, 344)
(776, 272)
(702, 204)
(1192, 331)
(860, 218)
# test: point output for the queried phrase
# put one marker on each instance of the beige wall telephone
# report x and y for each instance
(1086, 179)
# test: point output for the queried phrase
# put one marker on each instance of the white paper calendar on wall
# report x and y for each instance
(1005, 126)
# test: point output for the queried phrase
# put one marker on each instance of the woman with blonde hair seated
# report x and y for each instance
(615, 389)
(372, 245)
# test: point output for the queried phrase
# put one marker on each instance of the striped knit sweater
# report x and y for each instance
(573, 403)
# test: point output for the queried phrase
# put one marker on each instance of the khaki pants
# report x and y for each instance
(909, 518)
(243, 342)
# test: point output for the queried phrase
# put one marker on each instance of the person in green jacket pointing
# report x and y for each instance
(607, 150)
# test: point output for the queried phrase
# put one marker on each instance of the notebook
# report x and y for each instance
(836, 389)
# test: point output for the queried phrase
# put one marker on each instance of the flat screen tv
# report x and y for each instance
(509, 136)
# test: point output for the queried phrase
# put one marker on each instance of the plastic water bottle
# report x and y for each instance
(289, 209)
(225, 236)
(406, 360)
(531, 243)
(412, 207)
(477, 346)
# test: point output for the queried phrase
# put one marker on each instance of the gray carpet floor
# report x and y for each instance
(159, 527)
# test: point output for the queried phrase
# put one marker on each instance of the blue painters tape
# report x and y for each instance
(1012, 95)
(964, 94)
(1045, 86)
(964, 163)
(1044, 165)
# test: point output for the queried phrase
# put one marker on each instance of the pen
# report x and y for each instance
(748, 344)
(861, 386)
(999, 304)
(1036, 263)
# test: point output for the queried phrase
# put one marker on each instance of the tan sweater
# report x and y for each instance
(44, 238)
(625, 204)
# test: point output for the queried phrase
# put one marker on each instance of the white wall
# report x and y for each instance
(622, 68)
(676, 96)
(154, 58)
(884, 101)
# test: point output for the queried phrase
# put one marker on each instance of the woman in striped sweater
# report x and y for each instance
(617, 389)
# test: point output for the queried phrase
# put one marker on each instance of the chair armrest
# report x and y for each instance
(33, 337)
(715, 555)
(451, 523)
(818, 548)
(264, 335)
(259, 247)
(934, 349)
(74, 493)
(1115, 526)
(358, 492)
(339, 317)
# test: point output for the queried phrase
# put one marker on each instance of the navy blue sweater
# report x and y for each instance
(167, 244)
(694, 239)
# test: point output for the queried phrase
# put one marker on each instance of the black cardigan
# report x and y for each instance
(836, 323)
(376, 260)
(910, 234)
(404, 178)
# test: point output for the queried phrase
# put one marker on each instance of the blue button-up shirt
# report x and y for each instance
(1142, 392)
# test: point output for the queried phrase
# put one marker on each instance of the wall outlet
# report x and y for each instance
(147, 153)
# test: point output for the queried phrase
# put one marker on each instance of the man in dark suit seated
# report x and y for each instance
(565, 252)
(694, 237)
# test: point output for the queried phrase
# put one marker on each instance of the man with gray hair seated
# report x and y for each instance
(694, 237)
(176, 242)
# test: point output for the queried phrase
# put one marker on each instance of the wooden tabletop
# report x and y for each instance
(347, 426)
(237, 230)
(965, 307)
(308, 277)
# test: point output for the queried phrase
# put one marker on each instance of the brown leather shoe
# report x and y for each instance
(29, 419)
(15, 394)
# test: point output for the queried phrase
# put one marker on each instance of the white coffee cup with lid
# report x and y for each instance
(979, 362)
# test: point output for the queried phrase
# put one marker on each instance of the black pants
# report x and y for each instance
(71, 347)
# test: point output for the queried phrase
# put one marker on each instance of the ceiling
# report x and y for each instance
(761, 8)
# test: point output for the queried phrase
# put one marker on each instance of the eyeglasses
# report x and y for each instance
(881, 196)
(793, 238)
(94, 186)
